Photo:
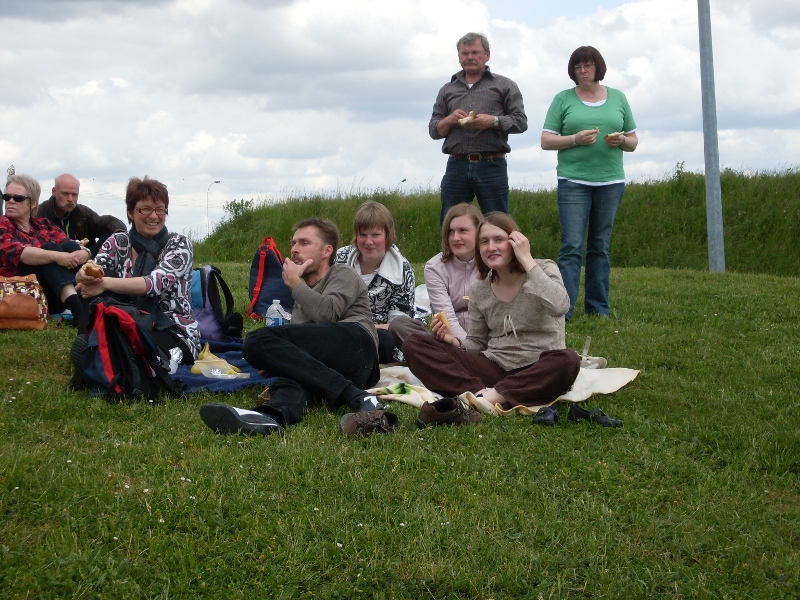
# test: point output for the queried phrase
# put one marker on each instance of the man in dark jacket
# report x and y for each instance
(78, 221)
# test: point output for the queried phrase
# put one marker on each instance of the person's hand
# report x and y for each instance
(587, 137)
(481, 122)
(82, 277)
(71, 260)
(522, 249)
(89, 287)
(520, 244)
(456, 115)
(442, 333)
(616, 141)
(293, 273)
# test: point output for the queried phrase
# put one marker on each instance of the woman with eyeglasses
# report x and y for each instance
(31, 245)
(590, 125)
(149, 267)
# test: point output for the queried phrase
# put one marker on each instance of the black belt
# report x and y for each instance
(478, 156)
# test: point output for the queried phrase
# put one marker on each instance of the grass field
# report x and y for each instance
(697, 496)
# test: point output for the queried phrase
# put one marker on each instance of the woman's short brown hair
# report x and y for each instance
(459, 210)
(140, 189)
(507, 224)
(374, 215)
(587, 54)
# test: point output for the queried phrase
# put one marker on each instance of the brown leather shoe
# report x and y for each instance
(447, 411)
(366, 423)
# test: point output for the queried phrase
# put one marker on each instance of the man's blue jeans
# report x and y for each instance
(464, 180)
(581, 207)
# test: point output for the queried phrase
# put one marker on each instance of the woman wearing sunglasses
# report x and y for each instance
(30, 245)
(149, 267)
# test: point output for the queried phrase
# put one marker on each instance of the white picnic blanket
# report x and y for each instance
(588, 382)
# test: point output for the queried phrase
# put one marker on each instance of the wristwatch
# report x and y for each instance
(497, 122)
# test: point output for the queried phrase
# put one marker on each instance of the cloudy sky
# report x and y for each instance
(286, 97)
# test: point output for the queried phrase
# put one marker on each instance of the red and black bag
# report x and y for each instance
(121, 360)
(266, 280)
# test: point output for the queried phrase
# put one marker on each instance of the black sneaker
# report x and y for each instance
(78, 346)
(229, 420)
(447, 411)
(370, 403)
(366, 423)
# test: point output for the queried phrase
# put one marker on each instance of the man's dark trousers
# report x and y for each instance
(334, 361)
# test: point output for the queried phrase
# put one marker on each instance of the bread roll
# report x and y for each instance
(441, 316)
(93, 270)
(470, 117)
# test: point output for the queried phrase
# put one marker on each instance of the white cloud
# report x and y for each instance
(302, 96)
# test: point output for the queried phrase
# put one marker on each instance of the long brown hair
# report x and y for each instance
(459, 210)
(507, 224)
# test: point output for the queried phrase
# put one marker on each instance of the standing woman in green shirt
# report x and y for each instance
(590, 125)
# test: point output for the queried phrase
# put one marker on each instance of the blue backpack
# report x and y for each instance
(266, 280)
(215, 322)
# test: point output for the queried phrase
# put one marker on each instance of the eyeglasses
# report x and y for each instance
(146, 210)
(582, 66)
(15, 197)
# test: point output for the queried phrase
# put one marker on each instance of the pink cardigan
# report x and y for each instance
(448, 282)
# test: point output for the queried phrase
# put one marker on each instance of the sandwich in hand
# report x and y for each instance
(92, 269)
(470, 117)
(442, 317)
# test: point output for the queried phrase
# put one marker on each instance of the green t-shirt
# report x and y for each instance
(599, 162)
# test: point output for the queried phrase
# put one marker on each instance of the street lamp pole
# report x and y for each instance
(208, 221)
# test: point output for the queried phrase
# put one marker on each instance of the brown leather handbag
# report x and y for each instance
(22, 303)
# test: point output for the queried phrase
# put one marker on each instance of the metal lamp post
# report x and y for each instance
(208, 221)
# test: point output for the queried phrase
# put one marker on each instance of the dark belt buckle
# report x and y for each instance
(474, 157)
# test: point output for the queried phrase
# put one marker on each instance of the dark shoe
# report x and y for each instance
(577, 413)
(228, 420)
(545, 416)
(447, 411)
(366, 423)
(370, 403)
(78, 346)
(599, 417)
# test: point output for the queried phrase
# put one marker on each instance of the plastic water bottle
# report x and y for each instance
(276, 315)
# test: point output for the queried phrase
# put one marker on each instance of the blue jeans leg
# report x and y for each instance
(489, 179)
(463, 181)
(582, 207)
(606, 201)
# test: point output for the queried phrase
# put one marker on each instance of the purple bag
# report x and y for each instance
(214, 322)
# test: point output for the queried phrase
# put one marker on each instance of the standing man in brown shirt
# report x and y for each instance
(474, 113)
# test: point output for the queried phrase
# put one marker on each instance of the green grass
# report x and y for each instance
(696, 497)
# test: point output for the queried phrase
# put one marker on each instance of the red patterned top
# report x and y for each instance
(13, 240)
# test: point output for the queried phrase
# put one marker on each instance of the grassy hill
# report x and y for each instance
(660, 223)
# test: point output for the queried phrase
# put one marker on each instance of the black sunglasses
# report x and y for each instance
(15, 197)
